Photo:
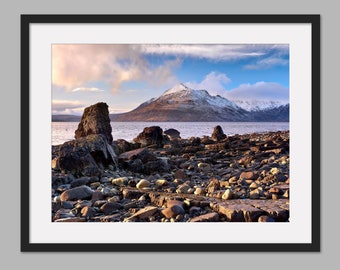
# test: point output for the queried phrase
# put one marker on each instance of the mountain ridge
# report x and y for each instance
(183, 104)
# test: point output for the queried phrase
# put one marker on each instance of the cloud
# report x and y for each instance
(87, 89)
(213, 83)
(267, 63)
(67, 107)
(74, 65)
(265, 91)
(216, 52)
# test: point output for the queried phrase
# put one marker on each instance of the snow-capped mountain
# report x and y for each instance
(258, 105)
(182, 93)
(181, 103)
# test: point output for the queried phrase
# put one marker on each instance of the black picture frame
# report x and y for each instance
(27, 20)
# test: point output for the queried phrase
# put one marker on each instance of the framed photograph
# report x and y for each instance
(170, 133)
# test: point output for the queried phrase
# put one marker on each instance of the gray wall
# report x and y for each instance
(10, 137)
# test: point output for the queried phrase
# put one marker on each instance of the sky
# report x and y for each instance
(126, 75)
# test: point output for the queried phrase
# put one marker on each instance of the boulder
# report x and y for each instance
(172, 133)
(142, 153)
(150, 136)
(143, 161)
(95, 120)
(218, 134)
(86, 156)
(122, 146)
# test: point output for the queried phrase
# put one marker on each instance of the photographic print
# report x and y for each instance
(167, 133)
(170, 133)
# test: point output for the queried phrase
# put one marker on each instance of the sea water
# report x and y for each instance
(64, 131)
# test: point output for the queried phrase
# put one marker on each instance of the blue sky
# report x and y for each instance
(124, 76)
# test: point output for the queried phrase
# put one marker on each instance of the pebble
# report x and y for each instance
(121, 181)
(204, 166)
(143, 184)
(199, 191)
(254, 194)
(88, 212)
(183, 189)
(161, 183)
(228, 194)
(76, 193)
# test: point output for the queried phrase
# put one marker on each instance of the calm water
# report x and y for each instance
(64, 131)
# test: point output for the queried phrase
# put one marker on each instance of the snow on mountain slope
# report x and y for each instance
(182, 93)
(258, 105)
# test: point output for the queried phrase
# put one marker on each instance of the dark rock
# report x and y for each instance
(63, 213)
(80, 181)
(180, 174)
(265, 219)
(86, 156)
(216, 146)
(171, 203)
(276, 209)
(132, 183)
(218, 134)
(58, 180)
(240, 211)
(195, 141)
(71, 219)
(248, 175)
(136, 166)
(88, 212)
(66, 205)
(77, 193)
(122, 146)
(172, 133)
(110, 207)
(160, 165)
(151, 136)
(95, 120)
(207, 140)
(213, 185)
(142, 153)
(210, 217)
(131, 194)
(173, 211)
(97, 196)
(144, 213)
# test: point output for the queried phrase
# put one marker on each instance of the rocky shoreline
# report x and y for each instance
(160, 177)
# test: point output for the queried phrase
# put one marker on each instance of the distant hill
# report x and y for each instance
(65, 118)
